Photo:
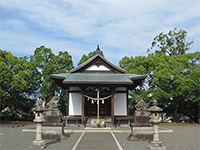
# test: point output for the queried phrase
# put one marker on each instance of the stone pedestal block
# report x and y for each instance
(54, 131)
(53, 128)
(141, 129)
(53, 116)
(141, 133)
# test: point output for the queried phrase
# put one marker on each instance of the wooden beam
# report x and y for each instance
(83, 109)
(112, 110)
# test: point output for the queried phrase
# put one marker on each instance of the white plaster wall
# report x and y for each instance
(98, 68)
(120, 105)
(75, 104)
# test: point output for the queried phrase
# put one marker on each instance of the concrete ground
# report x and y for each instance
(182, 138)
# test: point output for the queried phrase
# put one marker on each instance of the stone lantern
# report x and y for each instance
(39, 119)
(156, 144)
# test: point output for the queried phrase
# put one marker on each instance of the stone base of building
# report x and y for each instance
(53, 132)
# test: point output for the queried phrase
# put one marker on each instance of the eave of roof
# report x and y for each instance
(80, 78)
(60, 76)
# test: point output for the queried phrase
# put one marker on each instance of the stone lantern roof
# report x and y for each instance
(155, 108)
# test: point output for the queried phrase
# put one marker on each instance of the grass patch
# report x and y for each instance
(179, 124)
(16, 122)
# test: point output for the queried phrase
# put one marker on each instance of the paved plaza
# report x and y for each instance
(20, 137)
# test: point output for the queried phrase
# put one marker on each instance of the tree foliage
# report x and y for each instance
(172, 80)
(84, 58)
(172, 77)
(24, 81)
(173, 43)
(18, 85)
(49, 63)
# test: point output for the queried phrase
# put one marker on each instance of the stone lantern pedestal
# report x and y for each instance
(39, 119)
(38, 142)
(155, 144)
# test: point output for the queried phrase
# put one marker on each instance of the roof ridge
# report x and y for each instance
(104, 59)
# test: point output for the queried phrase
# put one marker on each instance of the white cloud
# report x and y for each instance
(122, 27)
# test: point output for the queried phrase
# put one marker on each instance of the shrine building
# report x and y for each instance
(98, 89)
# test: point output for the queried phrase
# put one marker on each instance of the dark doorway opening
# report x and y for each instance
(91, 109)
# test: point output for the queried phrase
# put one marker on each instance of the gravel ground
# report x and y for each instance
(183, 138)
(15, 139)
(97, 141)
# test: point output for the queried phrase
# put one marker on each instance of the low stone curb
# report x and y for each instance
(164, 130)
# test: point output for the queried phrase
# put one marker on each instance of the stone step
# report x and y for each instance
(91, 122)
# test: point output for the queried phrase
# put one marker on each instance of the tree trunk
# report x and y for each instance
(196, 115)
(175, 111)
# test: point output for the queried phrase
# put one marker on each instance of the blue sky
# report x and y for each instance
(120, 27)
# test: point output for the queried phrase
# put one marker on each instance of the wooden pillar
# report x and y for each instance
(112, 110)
(127, 102)
(83, 109)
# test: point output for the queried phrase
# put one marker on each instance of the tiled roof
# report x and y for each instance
(79, 78)
(81, 75)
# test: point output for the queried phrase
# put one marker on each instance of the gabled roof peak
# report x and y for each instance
(98, 59)
(98, 51)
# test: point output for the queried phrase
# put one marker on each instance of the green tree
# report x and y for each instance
(49, 63)
(172, 76)
(84, 58)
(172, 80)
(174, 83)
(18, 85)
(173, 43)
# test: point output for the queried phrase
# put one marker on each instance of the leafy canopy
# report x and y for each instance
(172, 75)
(49, 63)
(173, 43)
(18, 83)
